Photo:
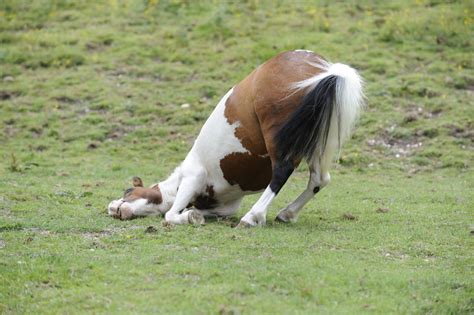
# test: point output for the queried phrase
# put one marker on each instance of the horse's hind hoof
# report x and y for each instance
(281, 220)
(284, 216)
(243, 225)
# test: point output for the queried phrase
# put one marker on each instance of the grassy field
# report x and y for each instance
(92, 93)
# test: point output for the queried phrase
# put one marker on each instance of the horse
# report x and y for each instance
(295, 107)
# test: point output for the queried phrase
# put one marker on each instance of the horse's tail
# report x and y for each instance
(326, 116)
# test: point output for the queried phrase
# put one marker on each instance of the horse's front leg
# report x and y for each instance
(187, 190)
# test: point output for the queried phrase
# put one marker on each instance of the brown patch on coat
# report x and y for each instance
(261, 104)
(251, 172)
(206, 200)
(276, 100)
(153, 195)
(238, 109)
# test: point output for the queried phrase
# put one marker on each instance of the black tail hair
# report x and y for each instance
(307, 129)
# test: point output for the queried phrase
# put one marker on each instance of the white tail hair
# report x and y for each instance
(335, 128)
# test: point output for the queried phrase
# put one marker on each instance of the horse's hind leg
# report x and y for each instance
(257, 214)
(318, 178)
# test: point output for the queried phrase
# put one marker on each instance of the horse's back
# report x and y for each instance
(238, 136)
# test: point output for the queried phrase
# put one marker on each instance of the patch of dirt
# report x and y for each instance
(107, 232)
(122, 74)
(119, 131)
(67, 100)
(349, 216)
(10, 131)
(10, 121)
(398, 147)
(395, 255)
(93, 46)
(39, 231)
(415, 113)
(97, 244)
(226, 310)
(92, 146)
(410, 117)
(401, 141)
(227, 221)
(382, 210)
(96, 235)
(36, 132)
(40, 148)
(6, 95)
(151, 229)
(462, 133)
(46, 284)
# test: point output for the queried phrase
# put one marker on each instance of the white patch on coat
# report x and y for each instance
(139, 207)
(201, 167)
(215, 141)
(350, 101)
(257, 215)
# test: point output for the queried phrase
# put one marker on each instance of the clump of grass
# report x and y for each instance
(14, 165)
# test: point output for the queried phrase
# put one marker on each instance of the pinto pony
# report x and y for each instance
(296, 106)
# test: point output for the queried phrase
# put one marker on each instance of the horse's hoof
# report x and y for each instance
(281, 220)
(285, 217)
(243, 225)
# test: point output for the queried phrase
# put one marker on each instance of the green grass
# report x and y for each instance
(91, 94)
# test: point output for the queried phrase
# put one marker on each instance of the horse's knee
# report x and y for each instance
(318, 182)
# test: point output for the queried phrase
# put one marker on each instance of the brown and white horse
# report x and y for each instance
(296, 106)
